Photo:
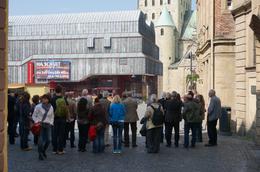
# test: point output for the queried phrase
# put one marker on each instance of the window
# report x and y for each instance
(161, 2)
(107, 42)
(162, 32)
(145, 3)
(229, 4)
(153, 16)
(169, 1)
(153, 2)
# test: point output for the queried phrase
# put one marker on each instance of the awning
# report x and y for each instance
(15, 86)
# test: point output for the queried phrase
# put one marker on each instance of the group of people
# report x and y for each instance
(57, 115)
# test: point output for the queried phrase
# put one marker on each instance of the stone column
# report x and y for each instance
(3, 85)
(257, 137)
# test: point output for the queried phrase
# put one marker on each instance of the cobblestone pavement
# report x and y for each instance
(231, 155)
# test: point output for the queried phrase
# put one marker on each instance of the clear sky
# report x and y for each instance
(29, 7)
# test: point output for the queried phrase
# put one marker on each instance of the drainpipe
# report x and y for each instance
(212, 53)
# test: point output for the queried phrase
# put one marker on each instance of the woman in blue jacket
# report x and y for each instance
(116, 118)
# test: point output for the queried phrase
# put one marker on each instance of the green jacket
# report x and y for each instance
(191, 112)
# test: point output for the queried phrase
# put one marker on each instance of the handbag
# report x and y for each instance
(92, 133)
(36, 127)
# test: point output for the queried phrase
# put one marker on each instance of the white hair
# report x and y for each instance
(153, 98)
(85, 92)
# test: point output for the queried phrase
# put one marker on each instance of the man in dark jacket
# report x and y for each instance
(11, 118)
(172, 119)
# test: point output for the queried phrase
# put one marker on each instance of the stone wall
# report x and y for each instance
(3, 85)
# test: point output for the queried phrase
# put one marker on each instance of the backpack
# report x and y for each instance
(82, 108)
(61, 108)
(158, 117)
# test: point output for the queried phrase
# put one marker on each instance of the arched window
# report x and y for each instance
(153, 16)
(162, 32)
(169, 1)
(145, 2)
(161, 2)
(153, 3)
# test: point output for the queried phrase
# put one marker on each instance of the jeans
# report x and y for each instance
(126, 132)
(70, 130)
(187, 127)
(83, 136)
(199, 132)
(11, 130)
(212, 132)
(117, 135)
(98, 143)
(168, 132)
(24, 132)
(107, 135)
(153, 138)
(59, 134)
(44, 138)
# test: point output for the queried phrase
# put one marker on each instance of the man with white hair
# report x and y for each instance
(214, 113)
(87, 97)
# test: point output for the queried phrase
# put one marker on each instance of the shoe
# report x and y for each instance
(210, 145)
(41, 157)
(114, 152)
(176, 145)
(119, 151)
(27, 149)
(107, 145)
(72, 146)
(54, 152)
(192, 146)
(168, 145)
(44, 155)
(61, 152)
(134, 146)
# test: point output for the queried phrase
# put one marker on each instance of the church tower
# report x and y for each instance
(165, 30)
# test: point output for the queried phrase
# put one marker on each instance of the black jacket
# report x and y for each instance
(173, 110)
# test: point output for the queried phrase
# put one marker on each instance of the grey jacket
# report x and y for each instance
(214, 109)
(131, 110)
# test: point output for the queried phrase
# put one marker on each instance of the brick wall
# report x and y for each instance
(224, 21)
(3, 84)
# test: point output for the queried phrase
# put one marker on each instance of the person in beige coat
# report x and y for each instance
(131, 119)
(153, 133)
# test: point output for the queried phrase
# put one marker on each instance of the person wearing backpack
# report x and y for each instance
(192, 118)
(61, 113)
(155, 118)
(44, 114)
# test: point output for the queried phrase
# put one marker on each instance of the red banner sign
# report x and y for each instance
(30, 73)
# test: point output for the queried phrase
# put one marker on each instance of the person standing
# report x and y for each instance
(106, 105)
(201, 101)
(214, 113)
(98, 118)
(60, 116)
(172, 119)
(35, 102)
(191, 115)
(116, 119)
(44, 114)
(11, 118)
(153, 134)
(131, 119)
(72, 118)
(83, 123)
(24, 122)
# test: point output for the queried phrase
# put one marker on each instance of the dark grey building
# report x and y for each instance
(101, 50)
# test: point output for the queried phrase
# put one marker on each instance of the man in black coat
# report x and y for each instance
(11, 118)
(172, 119)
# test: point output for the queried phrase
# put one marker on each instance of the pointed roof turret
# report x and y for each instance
(165, 18)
